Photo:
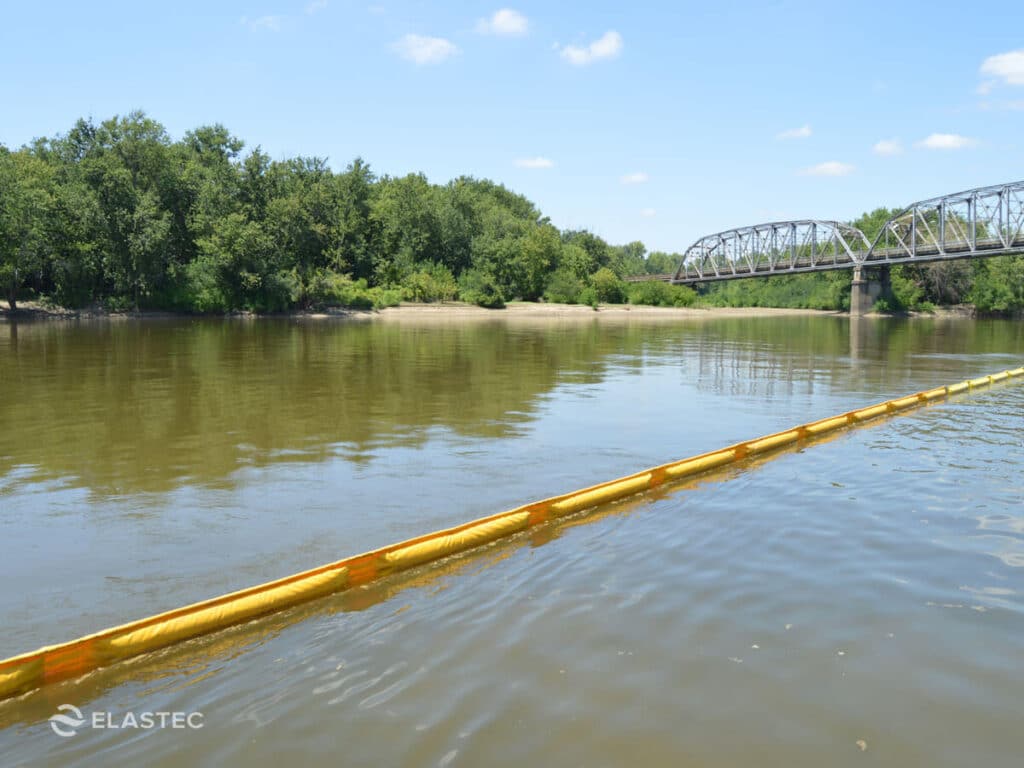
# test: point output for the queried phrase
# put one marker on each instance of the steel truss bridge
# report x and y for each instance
(988, 221)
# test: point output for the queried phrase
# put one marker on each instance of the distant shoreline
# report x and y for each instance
(459, 311)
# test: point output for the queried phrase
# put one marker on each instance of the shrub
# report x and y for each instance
(204, 292)
(826, 290)
(607, 286)
(651, 292)
(563, 287)
(906, 291)
(886, 304)
(655, 293)
(684, 296)
(589, 296)
(324, 288)
(358, 296)
(479, 287)
(432, 282)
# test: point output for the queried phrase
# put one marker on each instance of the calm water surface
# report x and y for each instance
(866, 589)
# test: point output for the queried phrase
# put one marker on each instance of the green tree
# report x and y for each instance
(128, 165)
(354, 232)
(25, 208)
(627, 260)
(538, 253)
(661, 263)
(403, 214)
(595, 252)
(237, 267)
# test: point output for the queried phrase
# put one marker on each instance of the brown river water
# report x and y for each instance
(855, 602)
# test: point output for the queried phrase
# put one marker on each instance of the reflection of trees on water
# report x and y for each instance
(128, 407)
(145, 406)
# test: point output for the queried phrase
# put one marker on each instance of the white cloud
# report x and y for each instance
(984, 88)
(888, 147)
(1009, 67)
(315, 6)
(795, 133)
(425, 50)
(830, 168)
(271, 23)
(504, 23)
(648, 213)
(946, 141)
(534, 162)
(635, 178)
(608, 46)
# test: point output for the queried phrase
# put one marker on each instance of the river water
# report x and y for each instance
(856, 602)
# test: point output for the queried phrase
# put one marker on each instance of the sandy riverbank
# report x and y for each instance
(458, 311)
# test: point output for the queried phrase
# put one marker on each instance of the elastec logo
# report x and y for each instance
(67, 724)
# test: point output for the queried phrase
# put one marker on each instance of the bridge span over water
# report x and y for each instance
(975, 223)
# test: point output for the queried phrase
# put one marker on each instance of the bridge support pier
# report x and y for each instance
(867, 289)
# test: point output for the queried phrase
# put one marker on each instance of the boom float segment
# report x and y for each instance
(54, 663)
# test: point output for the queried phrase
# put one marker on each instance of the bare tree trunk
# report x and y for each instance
(12, 296)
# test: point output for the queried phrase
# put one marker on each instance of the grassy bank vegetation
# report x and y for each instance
(120, 216)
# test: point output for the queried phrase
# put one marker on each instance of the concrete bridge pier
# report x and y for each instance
(869, 285)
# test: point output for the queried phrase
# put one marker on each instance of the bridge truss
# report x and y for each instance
(783, 246)
(988, 221)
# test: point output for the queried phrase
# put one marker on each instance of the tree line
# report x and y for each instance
(118, 215)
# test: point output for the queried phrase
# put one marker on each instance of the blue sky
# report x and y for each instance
(657, 121)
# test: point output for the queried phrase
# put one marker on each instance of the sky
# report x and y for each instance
(652, 121)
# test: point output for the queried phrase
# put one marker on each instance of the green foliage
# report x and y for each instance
(661, 263)
(481, 288)
(652, 292)
(25, 217)
(538, 253)
(608, 287)
(117, 213)
(628, 259)
(920, 286)
(907, 293)
(585, 252)
(362, 296)
(999, 285)
(821, 290)
(886, 304)
(325, 289)
(658, 294)
(321, 288)
(204, 293)
(589, 297)
(432, 282)
(563, 287)
(871, 223)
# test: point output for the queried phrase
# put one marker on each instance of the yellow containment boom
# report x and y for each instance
(53, 663)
